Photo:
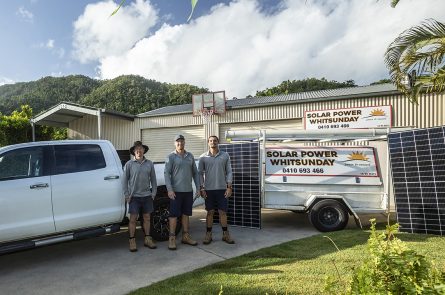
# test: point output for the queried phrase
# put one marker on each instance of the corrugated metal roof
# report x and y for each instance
(331, 94)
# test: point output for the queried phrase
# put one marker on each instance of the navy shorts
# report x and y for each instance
(216, 200)
(138, 203)
(182, 204)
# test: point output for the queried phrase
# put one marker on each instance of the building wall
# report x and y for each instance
(428, 113)
(119, 131)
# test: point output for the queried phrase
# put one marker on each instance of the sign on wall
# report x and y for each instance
(360, 117)
(322, 165)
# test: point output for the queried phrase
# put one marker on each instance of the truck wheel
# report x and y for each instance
(329, 215)
(159, 220)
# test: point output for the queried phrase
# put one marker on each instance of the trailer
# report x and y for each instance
(328, 174)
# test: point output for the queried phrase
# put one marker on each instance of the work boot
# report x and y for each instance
(226, 238)
(148, 242)
(132, 242)
(187, 239)
(208, 238)
(172, 242)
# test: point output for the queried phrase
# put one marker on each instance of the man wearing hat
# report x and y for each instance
(139, 173)
(180, 170)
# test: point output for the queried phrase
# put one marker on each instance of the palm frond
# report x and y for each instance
(420, 48)
(193, 3)
(394, 3)
(435, 82)
(117, 9)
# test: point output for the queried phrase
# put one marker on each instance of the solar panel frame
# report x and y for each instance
(244, 207)
(418, 172)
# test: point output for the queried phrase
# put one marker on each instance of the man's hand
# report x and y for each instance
(171, 195)
(203, 193)
(128, 199)
(228, 192)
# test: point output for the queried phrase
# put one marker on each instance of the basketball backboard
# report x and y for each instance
(214, 102)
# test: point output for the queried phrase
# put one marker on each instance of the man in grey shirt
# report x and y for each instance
(216, 186)
(139, 173)
(180, 169)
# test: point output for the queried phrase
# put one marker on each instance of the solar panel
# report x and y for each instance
(245, 205)
(418, 170)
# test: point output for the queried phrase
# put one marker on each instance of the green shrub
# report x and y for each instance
(391, 268)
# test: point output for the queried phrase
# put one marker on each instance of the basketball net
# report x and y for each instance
(206, 115)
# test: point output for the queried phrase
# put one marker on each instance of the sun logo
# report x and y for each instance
(358, 156)
(377, 112)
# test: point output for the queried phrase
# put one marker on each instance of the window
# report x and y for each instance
(78, 157)
(21, 163)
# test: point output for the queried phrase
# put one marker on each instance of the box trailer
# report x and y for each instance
(328, 174)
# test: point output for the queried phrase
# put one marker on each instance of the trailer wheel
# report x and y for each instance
(329, 215)
(159, 220)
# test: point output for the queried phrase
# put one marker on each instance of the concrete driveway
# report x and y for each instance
(104, 265)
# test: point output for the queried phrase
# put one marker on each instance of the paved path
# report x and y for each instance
(104, 265)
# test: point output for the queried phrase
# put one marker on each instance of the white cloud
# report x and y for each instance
(240, 49)
(50, 45)
(4, 80)
(97, 35)
(25, 14)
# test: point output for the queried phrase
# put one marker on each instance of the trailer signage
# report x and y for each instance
(322, 165)
(361, 117)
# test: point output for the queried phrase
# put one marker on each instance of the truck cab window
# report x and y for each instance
(78, 158)
(21, 163)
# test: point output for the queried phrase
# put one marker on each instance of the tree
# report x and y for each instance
(415, 59)
(308, 84)
(381, 81)
(17, 129)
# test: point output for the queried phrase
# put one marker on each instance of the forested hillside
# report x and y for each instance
(130, 94)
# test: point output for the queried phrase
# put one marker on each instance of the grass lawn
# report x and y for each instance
(296, 267)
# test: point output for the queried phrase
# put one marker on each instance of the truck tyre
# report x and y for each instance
(329, 215)
(159, 220)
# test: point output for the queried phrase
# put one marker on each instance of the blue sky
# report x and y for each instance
(29, 25)
(239, 46)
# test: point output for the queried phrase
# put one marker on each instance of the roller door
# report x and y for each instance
(161, 141)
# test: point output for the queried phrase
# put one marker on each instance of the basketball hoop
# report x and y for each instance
(206, 115)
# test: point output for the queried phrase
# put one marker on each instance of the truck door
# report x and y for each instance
(25, 193)
(87, 187)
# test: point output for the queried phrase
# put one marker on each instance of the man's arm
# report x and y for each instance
(125, 178)
(167, 173)
(229, 175)
(201, 170)
(195, 174)
(228, 169)
(154, 182)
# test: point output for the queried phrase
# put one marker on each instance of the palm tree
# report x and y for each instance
(415, 59)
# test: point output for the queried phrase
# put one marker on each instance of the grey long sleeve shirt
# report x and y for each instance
(179, 172)
(215, 171)
(137, 179)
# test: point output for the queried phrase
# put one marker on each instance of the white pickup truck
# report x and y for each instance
(56, 191)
